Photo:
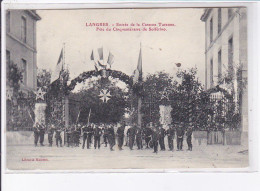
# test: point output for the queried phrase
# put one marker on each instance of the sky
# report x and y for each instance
(183, 43)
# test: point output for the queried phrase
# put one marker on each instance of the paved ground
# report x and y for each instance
(66, 158)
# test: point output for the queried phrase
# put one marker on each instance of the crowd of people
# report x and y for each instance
(151, 136)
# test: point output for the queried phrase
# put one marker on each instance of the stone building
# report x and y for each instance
(21, 44)
(21, 51)
(226, 53)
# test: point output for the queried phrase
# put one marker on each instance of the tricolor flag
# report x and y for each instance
(138, 71)
(92, 56)
(100, 52)
(59, 67)
(110, 59)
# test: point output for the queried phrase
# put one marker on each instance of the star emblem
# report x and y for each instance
(40, 94)
(105, 95)
(164, 94)
(9, 94)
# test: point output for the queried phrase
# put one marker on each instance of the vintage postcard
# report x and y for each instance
(127, 88)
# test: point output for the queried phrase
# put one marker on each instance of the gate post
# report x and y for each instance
(66, 114)
(139, 115)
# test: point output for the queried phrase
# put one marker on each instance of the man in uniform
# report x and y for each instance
(84, 131)
(180, 133)
(139, 138)
(50, 134)
(148, 134)
(170, 133)
(77, 135)
(89, 135)
(155, 138)
(105, 134)
(111, 137)
(41, 133)
(189, 134)
(58, 137)
(161, 138)
(97, 134)
(131, 136)
(68, 132)
(120, 136)
(36, 132)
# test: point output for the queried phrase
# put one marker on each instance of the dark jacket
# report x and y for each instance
(120, 131)
(97, 132)
(131, 132)
(155, 135)
(180, 132)
(170, 132)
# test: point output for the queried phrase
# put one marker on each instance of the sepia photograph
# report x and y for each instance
(127, 88)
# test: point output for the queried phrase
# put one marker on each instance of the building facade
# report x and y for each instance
(226, 54)
(21, 55)
(21, 44)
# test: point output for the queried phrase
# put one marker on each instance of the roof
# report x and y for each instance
(34, 15)
(205, 15)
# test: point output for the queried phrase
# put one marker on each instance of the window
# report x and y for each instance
(211, 73)
(24, 70)
(8, 21)
(8, 60)
(211, 29)
(219, 20)
(219, 65)
(23, 29)
(230, 12)
(8, 57)
(230, 56)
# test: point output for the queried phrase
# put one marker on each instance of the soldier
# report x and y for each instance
(155, 138)
(105, 134)
(58, 137)
(139, 138)
(84, 130)
(78, 135)
(50, 135)
(161, 138)
(180, 133)
(41, 133)
(89, 135)
(68, 132)
(131, 136)
(97, 134)
(120, 135)
(170, 133)
(189, 134)
(36, 132)
(148, 134)
(111, 137)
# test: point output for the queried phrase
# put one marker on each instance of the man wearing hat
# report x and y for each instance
(155, 139)
(180, 133)
(189, 134)
(170, 133)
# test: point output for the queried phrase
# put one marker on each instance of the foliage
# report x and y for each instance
(110, 112)
(43, 78)
(20, 107)
(14, 76)
(153, 87)
(188, 100)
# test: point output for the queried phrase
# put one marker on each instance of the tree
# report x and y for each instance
(153, 88)
(188, 100)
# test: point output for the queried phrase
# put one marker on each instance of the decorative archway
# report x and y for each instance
(103, 73)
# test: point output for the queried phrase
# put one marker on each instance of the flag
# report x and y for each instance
(59, 67)
(100, 52)
(110, 59)
(138, 71)
(92, 56)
